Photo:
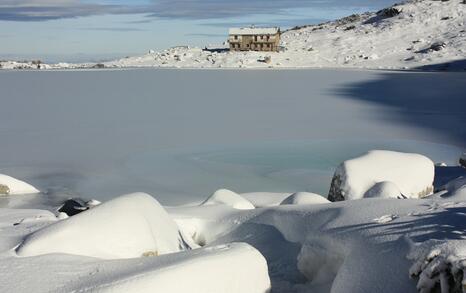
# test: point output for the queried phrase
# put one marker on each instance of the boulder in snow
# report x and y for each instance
(125, 227)
(10, 185)
(300, 198)
(230, 198)
(412, 174)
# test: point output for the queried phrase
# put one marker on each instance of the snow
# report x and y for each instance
(104, 230)
(381, 173)
(301, 198)
(438, 265)
(235, 267)
(230, 198)
(15, 186)
(368, 40)
(384, 189)
(253, 31)
(368, 245)
(265, 199)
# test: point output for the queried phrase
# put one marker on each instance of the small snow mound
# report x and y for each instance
(230, 198)
(455, 189)
(413, 174)
(10, 185)
(385, 219)
(301, 198)
(124, 227)
(385, 189)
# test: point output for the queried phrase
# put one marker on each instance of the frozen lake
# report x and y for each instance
(181, 134)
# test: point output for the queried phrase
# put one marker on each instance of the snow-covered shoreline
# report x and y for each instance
(424, 35)
(289, 243)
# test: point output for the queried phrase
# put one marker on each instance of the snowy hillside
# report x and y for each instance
(409, 35)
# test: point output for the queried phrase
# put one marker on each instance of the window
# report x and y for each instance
(236, 37)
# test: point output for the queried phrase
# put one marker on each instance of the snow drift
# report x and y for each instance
(128, 226)
(230, 198)
(304, 198)
(236, 267)
(10, 185)
(411, 174)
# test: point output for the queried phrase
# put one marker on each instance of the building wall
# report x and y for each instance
(254, 42)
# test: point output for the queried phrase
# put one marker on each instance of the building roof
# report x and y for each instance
(254, 31)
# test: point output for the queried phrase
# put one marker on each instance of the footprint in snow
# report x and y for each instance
(385, 219)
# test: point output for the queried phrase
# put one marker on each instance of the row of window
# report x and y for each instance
(256, 38)
(254, 46)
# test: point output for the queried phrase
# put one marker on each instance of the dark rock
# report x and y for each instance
(99, 65)
(73, 206)
(389, 12)
(349, 19)
(351, 27)
(462, 160)
(335, 193)
(4, 190)
(438, 46)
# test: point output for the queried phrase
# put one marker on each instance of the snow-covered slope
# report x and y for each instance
(370, 40)
(414, 34)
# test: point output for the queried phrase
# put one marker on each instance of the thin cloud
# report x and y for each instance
(211, 9)
(113, 29)
(42, 10)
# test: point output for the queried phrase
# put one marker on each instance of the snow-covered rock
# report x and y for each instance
(412, 174)
(127, 226)
(10, 185)
(230, 198)
(385, 189)
(301, 198)
(230, 268)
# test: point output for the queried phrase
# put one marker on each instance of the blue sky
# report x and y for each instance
(79, 30)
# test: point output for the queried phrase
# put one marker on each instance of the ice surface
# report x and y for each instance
(290, 137)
